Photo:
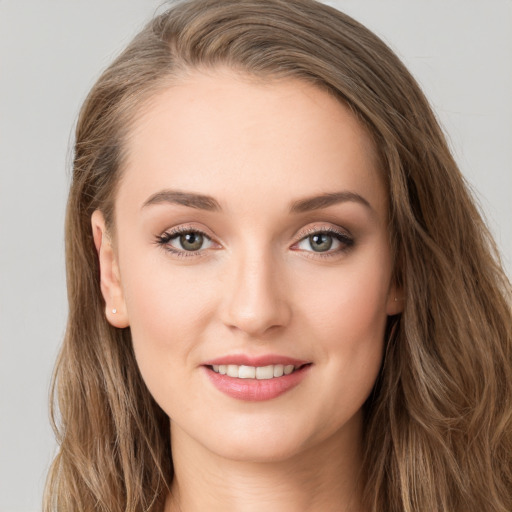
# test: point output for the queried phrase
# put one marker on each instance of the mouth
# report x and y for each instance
(258, 381)
(271, 371)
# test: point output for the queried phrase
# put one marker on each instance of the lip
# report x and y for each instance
(255, 390)
(263, 360)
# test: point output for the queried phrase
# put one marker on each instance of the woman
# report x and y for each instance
(281, 293)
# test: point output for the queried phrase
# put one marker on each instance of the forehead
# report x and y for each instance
(225, 135)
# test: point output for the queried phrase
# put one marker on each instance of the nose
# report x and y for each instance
(255, 301)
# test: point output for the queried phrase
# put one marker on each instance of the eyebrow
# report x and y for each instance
(325, 200)
(191, 200)
(204, 202)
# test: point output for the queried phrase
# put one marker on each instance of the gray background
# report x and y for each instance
(51, 51)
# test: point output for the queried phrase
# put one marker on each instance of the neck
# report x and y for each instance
(322, 478)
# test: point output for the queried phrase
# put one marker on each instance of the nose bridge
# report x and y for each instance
(254, 300)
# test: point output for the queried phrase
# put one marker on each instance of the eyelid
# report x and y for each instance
(187, 228)
(322, 228)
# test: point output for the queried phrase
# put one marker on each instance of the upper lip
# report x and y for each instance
(263, 360)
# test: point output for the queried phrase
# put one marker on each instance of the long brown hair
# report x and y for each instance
(438, 432)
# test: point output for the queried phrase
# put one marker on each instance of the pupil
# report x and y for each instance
(191, 241)
(320, 242)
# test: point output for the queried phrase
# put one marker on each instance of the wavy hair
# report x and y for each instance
(438, 425)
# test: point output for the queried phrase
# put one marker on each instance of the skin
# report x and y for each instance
(258, 287)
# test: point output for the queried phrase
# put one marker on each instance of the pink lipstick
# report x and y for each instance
(255, 378)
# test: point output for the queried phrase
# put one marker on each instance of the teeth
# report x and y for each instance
(254, 372)
(278, 370)
(246, 372)
(288, 369)
(232, 370)
(265, 372)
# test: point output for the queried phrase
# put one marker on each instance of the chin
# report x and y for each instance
(267, 439)
(258, 449)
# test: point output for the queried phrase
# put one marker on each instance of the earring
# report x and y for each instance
(114, 311)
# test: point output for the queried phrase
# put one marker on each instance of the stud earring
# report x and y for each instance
(114, 311)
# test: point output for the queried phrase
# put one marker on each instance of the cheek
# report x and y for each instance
(347, 312)
(162, 298)
(168, 310)
(348, 305)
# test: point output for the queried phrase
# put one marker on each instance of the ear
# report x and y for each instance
(110, 281)
(395, 303)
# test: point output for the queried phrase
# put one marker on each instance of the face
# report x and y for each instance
(251, 238)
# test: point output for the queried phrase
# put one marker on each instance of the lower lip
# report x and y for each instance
(255, 390)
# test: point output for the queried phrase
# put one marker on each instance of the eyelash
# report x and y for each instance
(164, 239)
(346, 240)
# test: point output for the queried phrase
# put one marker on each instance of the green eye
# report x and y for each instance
(320, 242)
(328, 241)
(183, 242)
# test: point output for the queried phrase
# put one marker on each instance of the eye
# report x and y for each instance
(325, 241)
(184, 240)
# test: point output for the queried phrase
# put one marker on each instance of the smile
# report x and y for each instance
(257, 382)
(254, 372)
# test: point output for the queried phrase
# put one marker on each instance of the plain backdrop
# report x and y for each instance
(51, 52)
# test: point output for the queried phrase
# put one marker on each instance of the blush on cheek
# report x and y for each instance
(352, 309)
(166, 315)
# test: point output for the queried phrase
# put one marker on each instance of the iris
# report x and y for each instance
(320, 242)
